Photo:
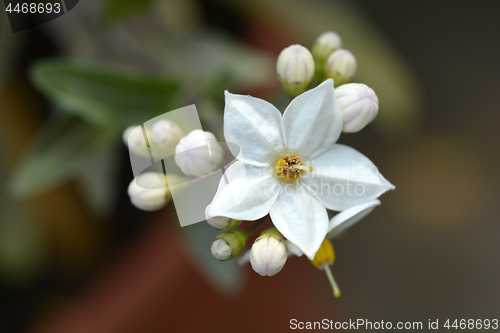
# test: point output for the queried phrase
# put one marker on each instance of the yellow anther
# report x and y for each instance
(290, 167)
(323, 259)
(325, 254)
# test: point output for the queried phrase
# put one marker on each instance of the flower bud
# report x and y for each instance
(198, 154)
(295, 69)
(341, 67)
(325, 44)
(153, 196)
(229, 244)
(268, 253)
(134, 139)
(221, 222)
(359, 106)
(166, 133)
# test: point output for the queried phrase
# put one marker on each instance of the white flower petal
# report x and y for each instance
(255, 126)
(246, 192)
(312, 122)
(300, 218)
(343, 178)
(293, 249)
(347, 218)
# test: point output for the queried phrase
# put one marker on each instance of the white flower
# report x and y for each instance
(198, 153)
(310, 126)
(349, 217)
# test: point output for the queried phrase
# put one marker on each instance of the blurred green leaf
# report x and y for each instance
(116, 10)
(205, 56)
(226, 276)
(104, 96)
(98, 178)
(61, 151)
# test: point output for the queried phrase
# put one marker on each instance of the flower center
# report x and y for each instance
(290, 167)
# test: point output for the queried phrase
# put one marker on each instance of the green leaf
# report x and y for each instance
(226, 276)
(104, 96)
(116, 10)
(62, 149)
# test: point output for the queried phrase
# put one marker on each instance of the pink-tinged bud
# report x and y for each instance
(295, 69)
(325, 44)
(341, 66)
(359, 106)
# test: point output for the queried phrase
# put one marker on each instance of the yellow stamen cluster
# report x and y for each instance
(323, 259)
(325, 255)
(290, 167)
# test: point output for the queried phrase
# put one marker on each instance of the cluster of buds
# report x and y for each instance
(297, 66)
(196, 154)
(269, 252)
(162, 136)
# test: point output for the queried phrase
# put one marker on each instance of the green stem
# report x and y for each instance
(335, 287)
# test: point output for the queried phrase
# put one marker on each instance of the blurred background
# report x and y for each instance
(76, 256)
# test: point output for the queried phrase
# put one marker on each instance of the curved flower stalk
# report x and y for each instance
(291, 167)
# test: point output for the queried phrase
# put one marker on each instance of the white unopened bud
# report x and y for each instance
(166, 133)
(149, 191)
(359, 106)
(268, 253)
(325, 44)
(221, 222)
(228, 244)
(341, 66)
(295, 69)
(134, 139)
(198, 154)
